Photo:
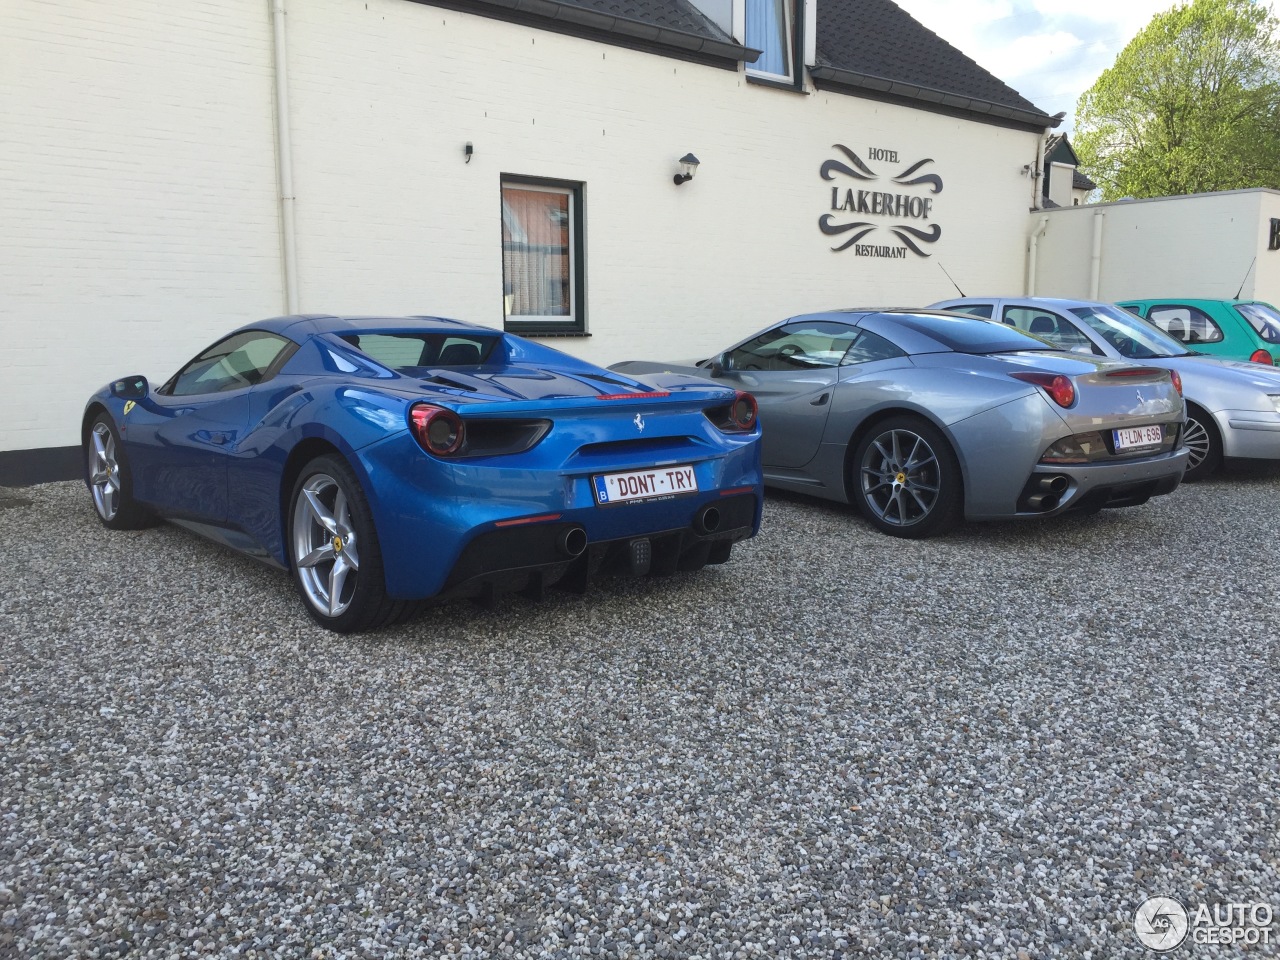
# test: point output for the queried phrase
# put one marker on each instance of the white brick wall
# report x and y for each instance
(137, 184)
(141, 212)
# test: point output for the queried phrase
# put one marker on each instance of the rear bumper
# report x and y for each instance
(462, 528)
(531, 558)
(1114, 484)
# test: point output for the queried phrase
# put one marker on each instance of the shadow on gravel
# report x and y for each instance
(1025, 531)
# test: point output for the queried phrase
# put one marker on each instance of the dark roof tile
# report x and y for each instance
(673, 14)
(879, 41)
(1081, 182)
(673, 27)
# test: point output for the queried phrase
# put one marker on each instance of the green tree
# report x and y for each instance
(1191, 105)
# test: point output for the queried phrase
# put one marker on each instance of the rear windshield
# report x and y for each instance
(401, 351)
(1263, 318)
(971, 334)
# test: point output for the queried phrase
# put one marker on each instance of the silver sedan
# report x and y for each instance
(1233, 408)
(923, 418)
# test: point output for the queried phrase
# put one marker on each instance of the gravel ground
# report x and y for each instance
(992, 745)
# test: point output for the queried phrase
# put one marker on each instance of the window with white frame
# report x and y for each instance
(770, 28)
(543, 278)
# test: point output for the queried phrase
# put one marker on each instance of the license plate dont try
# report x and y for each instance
(1131, 438)
(644, 484)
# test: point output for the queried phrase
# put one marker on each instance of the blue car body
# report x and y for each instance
(224, 463)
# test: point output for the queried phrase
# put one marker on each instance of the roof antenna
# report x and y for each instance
(1246, 277)
(953, 283)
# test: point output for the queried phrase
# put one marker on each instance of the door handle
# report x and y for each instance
(820, 401)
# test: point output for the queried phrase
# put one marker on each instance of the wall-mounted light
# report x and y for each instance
(467, 151)
(688, 167)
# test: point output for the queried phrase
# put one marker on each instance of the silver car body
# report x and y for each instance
(1243, 399)
(998, 427)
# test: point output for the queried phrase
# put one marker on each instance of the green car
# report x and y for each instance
(1227, 329)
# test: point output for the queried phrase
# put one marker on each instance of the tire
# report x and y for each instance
(906, 479)
(106, 471)
(1203, 442)
(334, 552)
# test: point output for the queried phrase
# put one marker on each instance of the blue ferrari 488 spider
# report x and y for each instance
(384, 461)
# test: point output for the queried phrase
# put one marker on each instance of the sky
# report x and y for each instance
(1050, 51)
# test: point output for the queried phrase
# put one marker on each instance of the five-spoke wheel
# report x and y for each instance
(333, 549)
(326, 548)
(906, 479)
(107, 473)
(104, 471)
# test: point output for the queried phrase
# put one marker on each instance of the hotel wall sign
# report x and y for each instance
(894, 208)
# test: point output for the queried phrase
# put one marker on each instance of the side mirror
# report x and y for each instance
(721, 363)
(131, 388)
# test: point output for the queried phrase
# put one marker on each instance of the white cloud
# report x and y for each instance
(1047, 50)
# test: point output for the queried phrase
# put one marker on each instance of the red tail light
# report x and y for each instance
(1177, 381)
(1059, 388)
(437, 430)
(743, 411)
(737, 416)
(1261, 356)
(652, 394)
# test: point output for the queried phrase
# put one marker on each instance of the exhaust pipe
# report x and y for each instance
(1042, 501)
(572, 542)
(707, 520)
(1055, 484)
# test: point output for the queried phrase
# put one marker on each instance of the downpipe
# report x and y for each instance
(1095, 261)
(284, 160)
(1033, 244)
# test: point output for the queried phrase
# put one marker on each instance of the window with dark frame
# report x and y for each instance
(543, 263)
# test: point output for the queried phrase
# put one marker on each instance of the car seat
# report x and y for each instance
(1043, 326)
(459, 354)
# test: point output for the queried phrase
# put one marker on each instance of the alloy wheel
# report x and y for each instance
(104, 471)
(325, 549)
(1198, 443)
(900, 477)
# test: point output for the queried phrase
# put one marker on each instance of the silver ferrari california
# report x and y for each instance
(1233, 408)
(921, 418)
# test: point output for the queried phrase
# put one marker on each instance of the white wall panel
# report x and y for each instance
(137, 187)
(1265, 281)
(391, 219)
(1194, 246)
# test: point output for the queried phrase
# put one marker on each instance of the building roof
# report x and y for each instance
(874, 47)
(671, 27)
(869, 48)
(1080, 182)
(1058, 149)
